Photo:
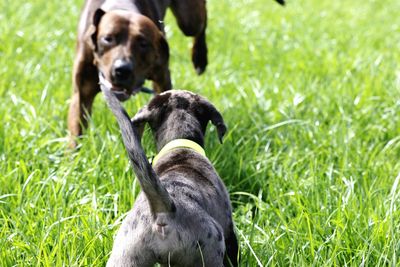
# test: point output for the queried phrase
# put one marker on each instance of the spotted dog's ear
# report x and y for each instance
(91, 33)
(149, 112)
(215, 117)
(140, 119)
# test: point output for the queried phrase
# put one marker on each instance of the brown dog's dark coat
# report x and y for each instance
(124, 40)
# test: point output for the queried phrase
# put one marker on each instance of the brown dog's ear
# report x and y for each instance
(140, 119)
(215, 117)
(161, 75)
(91, 33)
(163, 50)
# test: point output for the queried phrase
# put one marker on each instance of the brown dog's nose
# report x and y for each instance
(122, 70)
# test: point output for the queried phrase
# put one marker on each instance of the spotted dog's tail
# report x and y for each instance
(282, 2)
(156, 194)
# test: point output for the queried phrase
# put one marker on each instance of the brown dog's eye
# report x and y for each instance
(143, 44)
(107, 40)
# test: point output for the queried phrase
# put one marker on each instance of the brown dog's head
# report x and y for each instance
(128, 48)
(179, 114)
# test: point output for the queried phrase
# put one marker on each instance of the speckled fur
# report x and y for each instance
(198, 229)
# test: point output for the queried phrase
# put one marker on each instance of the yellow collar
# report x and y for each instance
(179, 143)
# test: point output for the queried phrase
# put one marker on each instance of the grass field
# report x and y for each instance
(310, 94)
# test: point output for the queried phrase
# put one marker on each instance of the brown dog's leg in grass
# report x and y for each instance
(85, 81)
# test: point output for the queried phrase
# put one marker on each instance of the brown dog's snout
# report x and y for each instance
(122, 71)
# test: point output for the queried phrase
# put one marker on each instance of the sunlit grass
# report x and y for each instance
(310, 94)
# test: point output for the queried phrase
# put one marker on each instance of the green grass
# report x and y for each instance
(310, 93)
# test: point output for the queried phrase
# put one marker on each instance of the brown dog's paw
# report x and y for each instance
(72, 144)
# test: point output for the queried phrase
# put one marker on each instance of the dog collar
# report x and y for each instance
(179, 143)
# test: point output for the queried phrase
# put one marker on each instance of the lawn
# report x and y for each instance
(311, 97)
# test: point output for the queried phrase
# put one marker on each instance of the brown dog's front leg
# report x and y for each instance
(74, 126)
(79, 111)
(85, 89)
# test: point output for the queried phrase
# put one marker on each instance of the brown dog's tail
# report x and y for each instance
(282, 2)
(156, 194)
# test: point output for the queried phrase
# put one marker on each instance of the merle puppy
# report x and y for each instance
(183, 216)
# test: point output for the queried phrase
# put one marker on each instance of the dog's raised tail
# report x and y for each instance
(156, 194)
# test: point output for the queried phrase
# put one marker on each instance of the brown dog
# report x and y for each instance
(123, 39)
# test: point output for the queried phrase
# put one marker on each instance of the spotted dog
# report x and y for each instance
(183, 216)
